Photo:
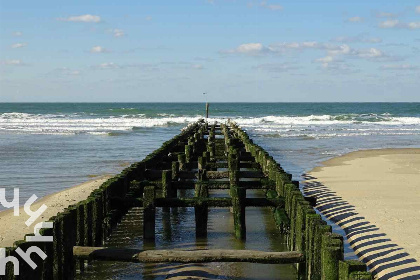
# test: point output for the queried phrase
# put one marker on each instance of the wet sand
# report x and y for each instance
(13, 228)
(384, 188)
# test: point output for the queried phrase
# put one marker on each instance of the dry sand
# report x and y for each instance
(384, 187)
(13, 228)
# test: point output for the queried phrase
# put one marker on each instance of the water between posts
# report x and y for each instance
(176, 230)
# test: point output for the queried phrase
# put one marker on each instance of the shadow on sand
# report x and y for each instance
(386, 260)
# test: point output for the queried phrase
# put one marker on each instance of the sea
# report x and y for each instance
(47, 147)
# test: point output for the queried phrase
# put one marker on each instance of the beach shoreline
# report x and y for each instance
(13, 228)
(381, 187)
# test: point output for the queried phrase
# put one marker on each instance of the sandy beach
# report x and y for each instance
(383, 188)
(13, 228)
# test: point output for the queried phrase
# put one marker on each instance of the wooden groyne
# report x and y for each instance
(192, 160)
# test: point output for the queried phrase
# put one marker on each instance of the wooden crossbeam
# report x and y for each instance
(192, 202)
(184, 256)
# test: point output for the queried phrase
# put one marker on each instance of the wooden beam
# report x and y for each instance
(183, 256)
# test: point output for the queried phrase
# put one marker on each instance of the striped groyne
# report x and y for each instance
(191, 160)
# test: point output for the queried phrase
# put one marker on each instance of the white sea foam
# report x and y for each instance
(313, 125)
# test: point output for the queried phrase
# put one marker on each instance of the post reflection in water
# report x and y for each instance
(175, 229)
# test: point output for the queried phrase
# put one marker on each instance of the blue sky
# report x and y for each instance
(172, 51)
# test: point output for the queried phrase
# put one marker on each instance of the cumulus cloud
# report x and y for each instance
(249, 48)
(82, 18)
(15, 62)
(398, 24)
(398, 67)
(355, 19)
(108, 65)
(18, 45)
(99, 49)
(333, 52)
(414, 25)
(17, 34)
(272, 7)
(117, 32)
(389, 23)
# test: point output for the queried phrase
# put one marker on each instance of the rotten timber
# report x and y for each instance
(184, 256)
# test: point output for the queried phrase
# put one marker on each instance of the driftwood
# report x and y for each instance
(183, 256)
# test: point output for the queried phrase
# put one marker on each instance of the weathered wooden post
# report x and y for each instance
(188, 153)
(166, 186)
(330, 256)
(201, 209)
(175, 175)
(181, 161)
(149, 213)
(238, 195)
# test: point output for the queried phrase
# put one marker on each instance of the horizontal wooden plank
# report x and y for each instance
(184, 256)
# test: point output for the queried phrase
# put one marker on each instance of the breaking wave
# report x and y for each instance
(276, 126)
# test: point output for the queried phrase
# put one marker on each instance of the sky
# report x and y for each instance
(246, 51)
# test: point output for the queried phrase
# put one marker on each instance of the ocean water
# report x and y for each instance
(46, 147)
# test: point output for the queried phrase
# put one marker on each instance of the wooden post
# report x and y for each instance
(330, 256)
(201, 210)
(207, 110)
(166, 186)
(188, 153)
(238, 195)
(149, 213)
(181, 161)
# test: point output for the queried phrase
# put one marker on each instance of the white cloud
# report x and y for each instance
(17, 34)
(338, 50)
(397, 24)
(197, 66)
(414, 25)
(99, 49)
(357, 39)
(418, 9)
(82, 18)
(210, 1)
(389, 23)
(16, 62)
(272, 7)
(117, 32)
(325, 61)
(249, 48)
(332, 51)
(355, 19)
(18, 45)
(108, 65)
(148, 18)
(369, 53)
